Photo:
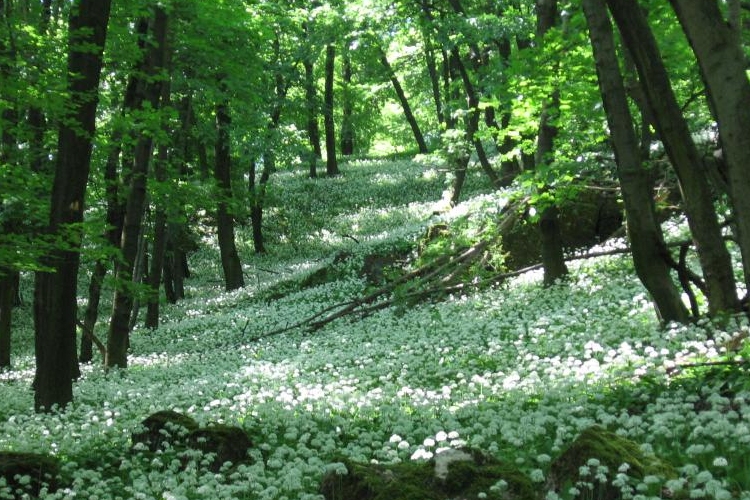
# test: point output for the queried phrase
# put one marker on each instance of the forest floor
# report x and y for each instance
(515, 369)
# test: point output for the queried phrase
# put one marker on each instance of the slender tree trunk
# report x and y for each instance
(685, 159)
(332, 168)
(151, 89)
(472, 123)
(114, 221)
(159, 244)
(418, 137)
(722, 62)
(230, 259)
(55, 293)
(431, 62)
(553, 258)
(347, 127)
(7, 291)
(313, 129)
(646, 239)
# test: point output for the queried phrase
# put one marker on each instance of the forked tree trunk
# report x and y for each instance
(151, 89)
(646, 239)
(55, 294)
(673, 131)
(472, 122)
(158, 247)
(723, 66)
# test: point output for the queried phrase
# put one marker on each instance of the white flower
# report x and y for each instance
(720, 462)
(537, 475)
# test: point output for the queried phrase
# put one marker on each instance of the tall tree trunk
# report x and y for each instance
(55, 294)
(151, 90)
(430, 60)
(472, 123)
(460, 148)
(722, 62)
(685, 159)
(311, 102)
(114, 221)
(313, 128)
(332, 168)
(230, 259)
(549, 223)
(159, 244)
(347, 106)
(7, 291)
(418, 137)
(650, 255)
(259, 194)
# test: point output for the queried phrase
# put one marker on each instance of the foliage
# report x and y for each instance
(516, 371)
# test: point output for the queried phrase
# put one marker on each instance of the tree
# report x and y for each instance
(55, 291)
(549, 225)
(332, 168)
(673, 131)
(230, 260)
(149, 87)
(650, 255)
(418, 137)
(723, 67)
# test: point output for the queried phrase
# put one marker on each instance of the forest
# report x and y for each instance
(377, 249)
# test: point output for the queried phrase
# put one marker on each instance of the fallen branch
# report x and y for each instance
(434, 279)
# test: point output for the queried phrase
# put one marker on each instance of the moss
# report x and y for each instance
(470, 478)
(42, 469)
(417, 481)
(229, 443)
(611, 451)
(164, 427)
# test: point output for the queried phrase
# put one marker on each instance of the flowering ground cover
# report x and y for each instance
(515, 370)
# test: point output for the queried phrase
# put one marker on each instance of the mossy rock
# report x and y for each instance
(164, 428)
(611, 451)
(455, 474)
(41, 469)
(228, 443)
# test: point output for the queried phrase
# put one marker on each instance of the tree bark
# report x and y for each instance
(673, 131)
(347, 106)
(313, 128)
(472, 123)
(644, 231)
(431, 62)
(159, 244)
(415, 130)
(332, 168)
(311, 103)
(7, 291)
(722, 64)
(230, 259)
(55, 293)
(549, 224)
(150, 89)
